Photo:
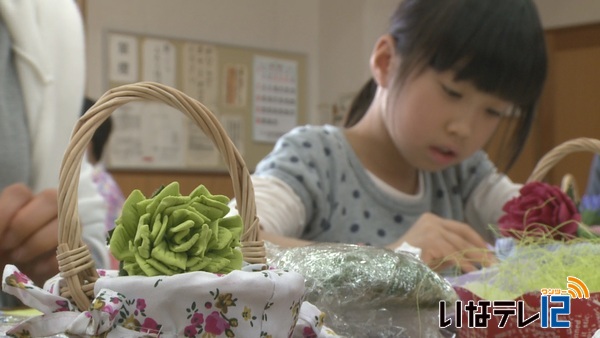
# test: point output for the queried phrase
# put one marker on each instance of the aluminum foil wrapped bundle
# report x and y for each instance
(368, 291)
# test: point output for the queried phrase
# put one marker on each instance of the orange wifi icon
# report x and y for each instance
(577, 288)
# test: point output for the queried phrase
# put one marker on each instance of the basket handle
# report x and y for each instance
(548, 161)
(75, 263)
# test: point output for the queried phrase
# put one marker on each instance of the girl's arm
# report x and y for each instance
(484, 207)
(280, 211)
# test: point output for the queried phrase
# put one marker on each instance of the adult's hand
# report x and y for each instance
(29, 231)
(445, 243)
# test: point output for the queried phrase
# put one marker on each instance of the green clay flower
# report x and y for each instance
(169, 233)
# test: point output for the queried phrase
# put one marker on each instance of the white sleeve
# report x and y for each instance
(279, 208)
(92, 211)
(484, 207)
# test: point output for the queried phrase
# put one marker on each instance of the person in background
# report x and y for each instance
(107, 186)
(593, 185)
(41, 85)
(408, 168)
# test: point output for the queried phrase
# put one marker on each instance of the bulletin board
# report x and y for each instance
(257, 94)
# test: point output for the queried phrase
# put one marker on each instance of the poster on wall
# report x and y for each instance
(122, 58)
(236, 85)
(158, 61)
(201, 152)
(147, 134)
(199, 75)
(275, 90)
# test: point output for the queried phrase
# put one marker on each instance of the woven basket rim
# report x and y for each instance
(75, 263)
(552, 157)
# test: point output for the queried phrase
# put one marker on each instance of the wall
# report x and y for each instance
(270, 24)
(561, 13)
(336, 35)
(350, 29)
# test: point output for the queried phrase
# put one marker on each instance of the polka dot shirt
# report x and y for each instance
(344, 204)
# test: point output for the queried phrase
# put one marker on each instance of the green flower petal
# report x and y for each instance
(162, 254)
(224, 239)
(211, 208)
(216, 264)
(180, 215)
(142, 241)
(142, 206)
(132, 269)
(146, 268)
(162, 230)
(214, 239)
(197, 264)
(156, 226)
(176, 231)
(234, 224)
(179, 236)
(199, 248)
(233, 257)
(201, 190)
(185, 246)
(143, 220)
(170, 190)
(129, 213)
(162, 268)
(221, 238)
(119, 244)
(171, 203)
(235, 261)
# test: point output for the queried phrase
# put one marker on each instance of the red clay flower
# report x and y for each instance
(541, 209)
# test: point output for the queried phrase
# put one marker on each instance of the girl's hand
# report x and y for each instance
(445, 243)
(29, 231)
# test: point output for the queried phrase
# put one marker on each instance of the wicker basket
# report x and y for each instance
(75, 263)
(551, 158)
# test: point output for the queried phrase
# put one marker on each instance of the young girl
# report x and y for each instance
(412, 170)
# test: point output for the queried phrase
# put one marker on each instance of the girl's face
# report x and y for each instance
(436, 122)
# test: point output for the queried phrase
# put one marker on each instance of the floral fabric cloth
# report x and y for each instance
(252, 302)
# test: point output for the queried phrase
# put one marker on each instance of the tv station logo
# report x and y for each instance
(555, 307)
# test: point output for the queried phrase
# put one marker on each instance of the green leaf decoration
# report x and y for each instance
(590, 217)
(169, 233)
(584, 231)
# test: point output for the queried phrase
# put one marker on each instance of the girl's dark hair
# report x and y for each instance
(496, 44)
(102, 133)
(360, 103)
